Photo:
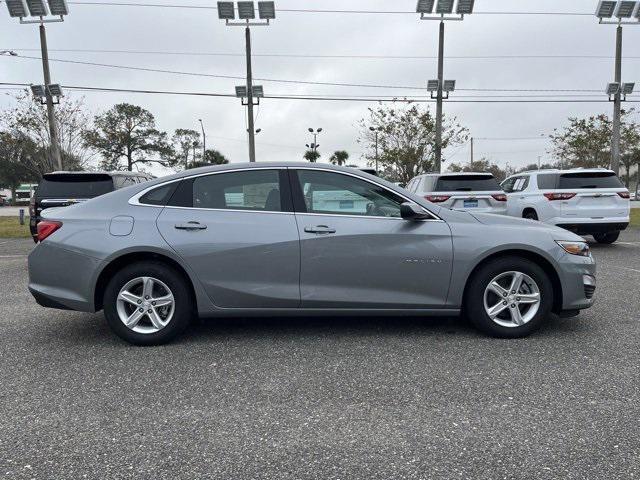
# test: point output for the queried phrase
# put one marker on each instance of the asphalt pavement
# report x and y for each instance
(339, 398)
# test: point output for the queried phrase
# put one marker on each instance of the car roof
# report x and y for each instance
(457, 174)
(101, 172)
(562, 171)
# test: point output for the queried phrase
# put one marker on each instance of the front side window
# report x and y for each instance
(334, 193)
(247, 190)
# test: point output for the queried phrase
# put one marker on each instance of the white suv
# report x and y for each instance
(585, 201)
(473, 192)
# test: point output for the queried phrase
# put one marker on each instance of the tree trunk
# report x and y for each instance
(129, 162)
(13, 194)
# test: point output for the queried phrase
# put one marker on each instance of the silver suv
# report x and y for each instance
(585, 201)
(473, 192)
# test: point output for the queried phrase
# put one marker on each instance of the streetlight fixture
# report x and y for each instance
(314, 145)
(444, 10)
(247, 14)
(626, 12)
(43, 12)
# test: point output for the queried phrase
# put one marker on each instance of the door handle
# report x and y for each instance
(190, 226)
(320, 229)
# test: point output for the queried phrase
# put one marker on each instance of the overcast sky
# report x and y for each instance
(284, 123)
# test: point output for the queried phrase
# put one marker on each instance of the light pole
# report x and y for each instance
(37, 8)
(626, 13)
(375, 131)
(314, 146)
(443, 11)
(204, 141)
(247, 12)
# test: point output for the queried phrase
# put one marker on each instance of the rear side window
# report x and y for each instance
(466, 183)
(589, 180)
(75, 186)
(252, 190)
(547, 181)
(159, 196)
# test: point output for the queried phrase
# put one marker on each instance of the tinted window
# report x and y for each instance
(466, 183)
(547, 180)
(508, 184)
(248, 190)
(589, 180)
(160, 195)
(333, 193)
(72, 186)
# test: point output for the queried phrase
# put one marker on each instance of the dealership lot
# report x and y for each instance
(323, 398)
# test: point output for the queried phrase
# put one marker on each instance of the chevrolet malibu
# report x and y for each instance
(299, 239)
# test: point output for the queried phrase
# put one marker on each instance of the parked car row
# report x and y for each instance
(585, 201)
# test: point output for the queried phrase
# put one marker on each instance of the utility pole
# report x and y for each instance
(438, 162)
(617, 106)
(471, 152)
(375, 130)
(204, 140)
(252, 137)
(53, 132)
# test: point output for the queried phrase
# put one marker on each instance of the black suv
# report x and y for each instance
(61, 189)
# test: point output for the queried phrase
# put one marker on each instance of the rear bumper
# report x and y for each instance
(589, 228)
(62, 279)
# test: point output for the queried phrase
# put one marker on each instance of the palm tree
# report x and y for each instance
(311, 155)
(339, 157)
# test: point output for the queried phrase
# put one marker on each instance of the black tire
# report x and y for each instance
(530, 214)
(606, 238)
(182, 315)
(473, 306)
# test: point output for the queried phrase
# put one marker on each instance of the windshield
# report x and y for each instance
(467, 183)
(589, 180)
(75, 186)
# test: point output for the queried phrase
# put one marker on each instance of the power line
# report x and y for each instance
(327, 56)
(311, 98)
(289, 81)
(316, 10)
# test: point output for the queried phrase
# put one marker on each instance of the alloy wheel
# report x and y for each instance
(145, 305)
(512, 299)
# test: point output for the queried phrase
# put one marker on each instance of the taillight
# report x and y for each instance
(500, 197)
(32, 206)
(437, 198)
(559, 196)
(46, 228)
(624, 194)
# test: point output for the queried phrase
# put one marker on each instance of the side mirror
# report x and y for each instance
(413, 211)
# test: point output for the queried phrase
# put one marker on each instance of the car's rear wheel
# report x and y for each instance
(607, 238)
(147, 303)
(509, 297)
(530, 214)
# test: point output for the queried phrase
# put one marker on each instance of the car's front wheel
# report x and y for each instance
(147, 303)
(606, 238)
(509, 297)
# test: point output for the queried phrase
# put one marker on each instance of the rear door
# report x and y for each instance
(596, 195)
(357, 252)
(238, 233)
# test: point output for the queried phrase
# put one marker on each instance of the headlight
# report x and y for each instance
(575, 248)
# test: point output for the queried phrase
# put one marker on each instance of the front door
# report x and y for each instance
(238, 233)
(357, 252)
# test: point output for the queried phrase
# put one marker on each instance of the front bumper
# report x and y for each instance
(578, 279)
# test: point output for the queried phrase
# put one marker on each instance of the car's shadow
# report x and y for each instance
(93, 330)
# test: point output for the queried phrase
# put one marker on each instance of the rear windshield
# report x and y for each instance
(75, 186)
(589, 180)
(467, 183)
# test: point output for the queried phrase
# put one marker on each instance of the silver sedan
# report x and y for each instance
(299, 239)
